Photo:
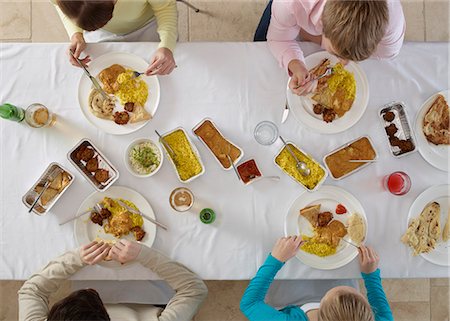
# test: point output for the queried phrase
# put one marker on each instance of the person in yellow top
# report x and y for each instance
(122, 20)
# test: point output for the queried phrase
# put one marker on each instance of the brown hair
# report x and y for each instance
(82, 305)
(346, 307)
(89, 15)
(355, 28)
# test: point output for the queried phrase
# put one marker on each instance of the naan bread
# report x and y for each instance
(446, 230)
(356, 228)
(108, 77)
(48, 195)
(311, 213)
(424, 231)
(139, 114)
(436, 123)
(101, 107)
(60, 181)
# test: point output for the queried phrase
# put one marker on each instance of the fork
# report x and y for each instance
(327, 72)
(97, 208)
(50, 178)
(137, 73)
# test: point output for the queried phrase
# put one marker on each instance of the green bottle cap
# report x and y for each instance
(207, 216)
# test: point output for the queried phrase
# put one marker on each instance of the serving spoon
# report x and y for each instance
(301, 166)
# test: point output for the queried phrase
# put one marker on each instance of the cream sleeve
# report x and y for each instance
(35, 292)
(71, 28)
(167, 19)
(190, 290)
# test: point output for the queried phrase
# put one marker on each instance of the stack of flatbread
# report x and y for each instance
(436, 123)
(56, 186)
(424, 231)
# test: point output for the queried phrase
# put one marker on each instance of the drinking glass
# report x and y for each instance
(398, 183)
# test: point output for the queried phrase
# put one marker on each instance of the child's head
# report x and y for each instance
(79, 305)
(353, 29)
(344, 303)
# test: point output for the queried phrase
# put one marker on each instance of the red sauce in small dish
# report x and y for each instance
(248, 171)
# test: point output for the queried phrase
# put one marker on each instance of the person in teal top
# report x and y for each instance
(341, 303)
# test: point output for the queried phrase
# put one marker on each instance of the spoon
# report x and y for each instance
(301, 166)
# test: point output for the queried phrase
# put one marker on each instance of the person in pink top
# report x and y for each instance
(350, 30)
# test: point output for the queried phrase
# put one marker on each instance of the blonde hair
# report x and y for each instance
(355, 28)
(346, 306)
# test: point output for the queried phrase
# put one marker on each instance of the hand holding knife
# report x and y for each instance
(93, 80)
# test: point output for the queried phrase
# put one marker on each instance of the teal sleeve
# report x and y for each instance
(252, 303)
(377, 297)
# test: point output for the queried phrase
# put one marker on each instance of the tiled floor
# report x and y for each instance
(235, 20)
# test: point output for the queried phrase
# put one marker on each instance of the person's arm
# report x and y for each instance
(252, 303)
(167, 19)
(190, 290)
(70, 27)
(368, 262)
(389, 47)
(282, 34)
(377, 297)
(34, 294)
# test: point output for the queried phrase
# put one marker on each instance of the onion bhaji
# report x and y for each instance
(389, 116)
(129, 106)
(92, 164)
(328, 115)
(85, 153)
(324, 218)
(96, 218)
(121, 118)
(105, 213)
(101, 175)
(138, 232)
(318, 109)
(391, 130)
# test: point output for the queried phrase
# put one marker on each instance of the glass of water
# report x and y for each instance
(266, 133)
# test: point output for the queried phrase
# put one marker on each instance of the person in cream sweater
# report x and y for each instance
(86, 304)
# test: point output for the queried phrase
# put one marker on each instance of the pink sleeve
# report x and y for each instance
(282, 33)
(392, 42)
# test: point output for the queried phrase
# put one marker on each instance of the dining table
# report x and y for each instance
(237, 85)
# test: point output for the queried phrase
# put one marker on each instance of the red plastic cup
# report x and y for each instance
(398, 183)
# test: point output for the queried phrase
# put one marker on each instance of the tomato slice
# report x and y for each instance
(340, 209)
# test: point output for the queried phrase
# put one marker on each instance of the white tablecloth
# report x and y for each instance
(237, 85)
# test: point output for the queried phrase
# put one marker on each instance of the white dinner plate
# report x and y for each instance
(129, 61)
(328, 196)
(302, 107)
(86, 231)
(436, 155)
(441, 194)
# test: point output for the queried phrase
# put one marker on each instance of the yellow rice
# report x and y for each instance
(185, 160)
(342, 79)
(316, 248)
(288, 164)
(131, 89)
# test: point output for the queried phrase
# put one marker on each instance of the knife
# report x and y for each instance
(93, 80)
(285, 112)
(132, 210)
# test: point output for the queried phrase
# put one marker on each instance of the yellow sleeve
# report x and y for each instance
(71, 28)
(167, 19)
